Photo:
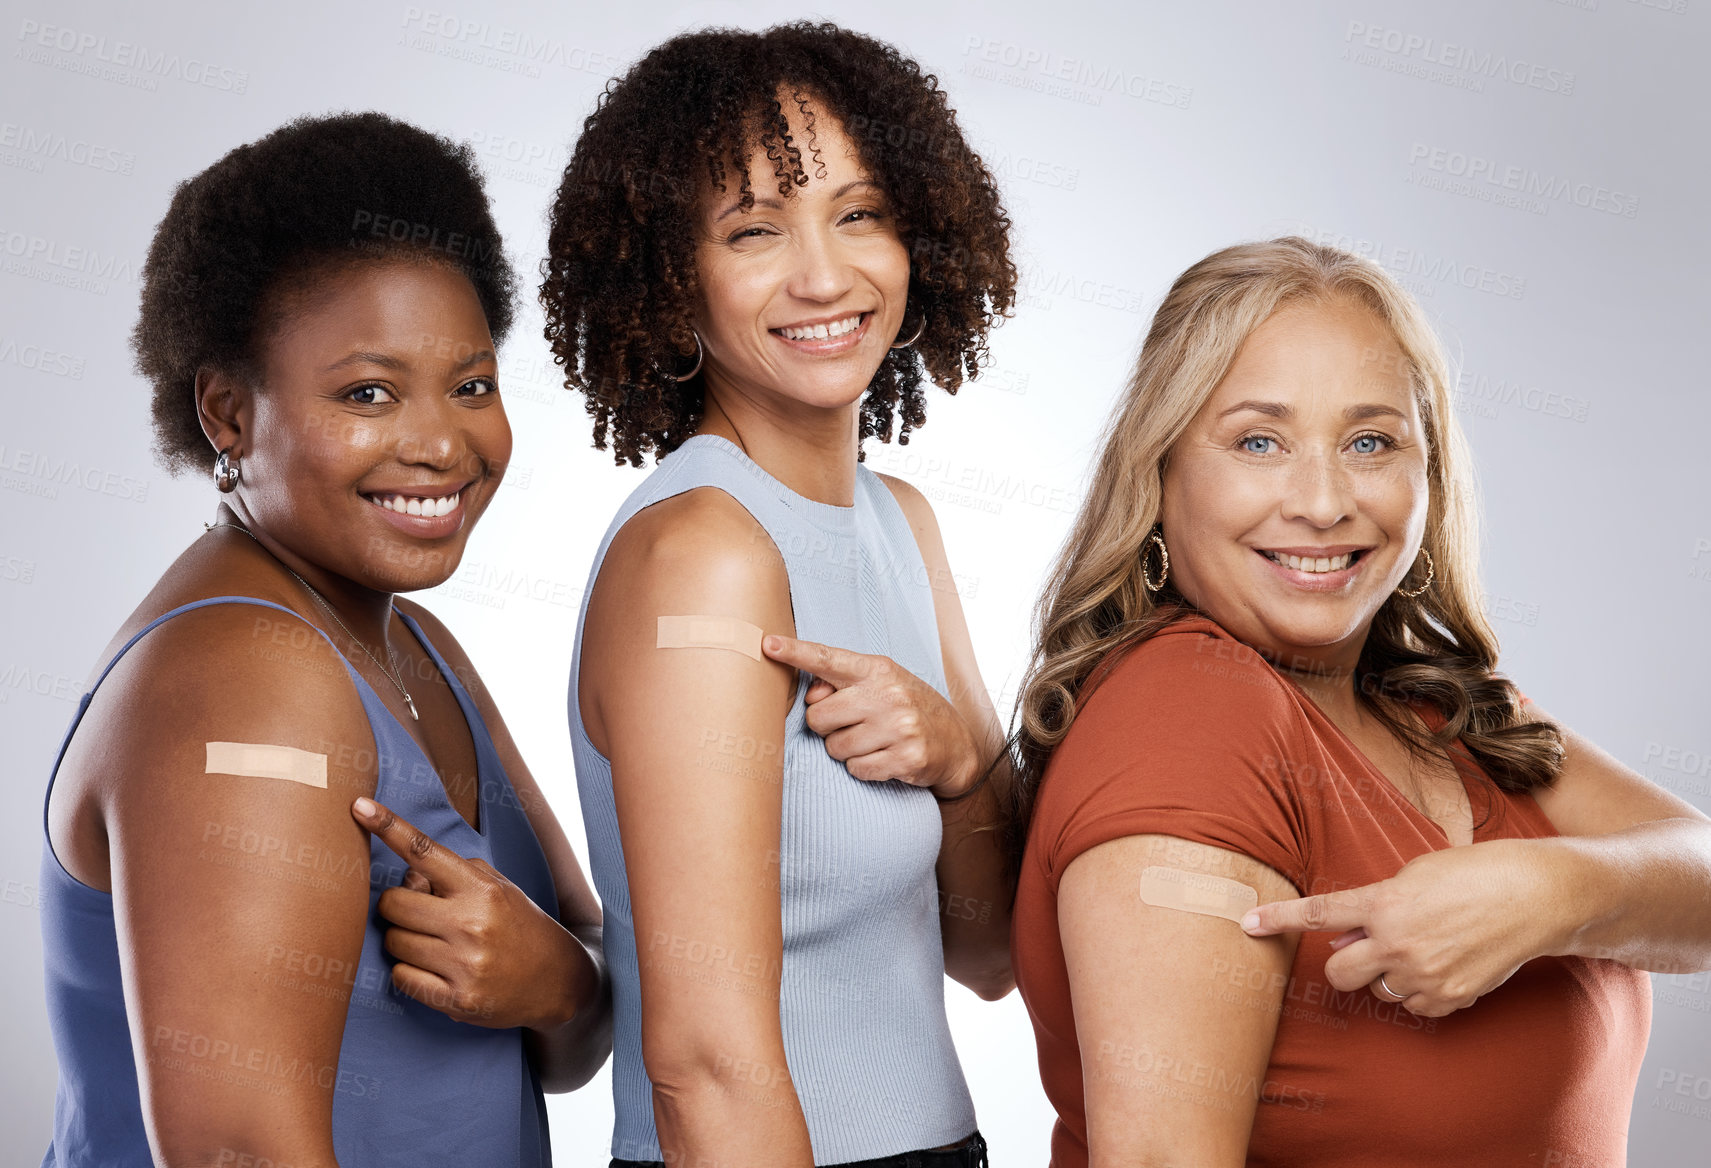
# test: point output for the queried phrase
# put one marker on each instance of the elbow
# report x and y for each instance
(989, 981)
(677, 1070)
(568, 1059)
(578, 1066)
(684, 1068)
(988, 974)
(991, 988)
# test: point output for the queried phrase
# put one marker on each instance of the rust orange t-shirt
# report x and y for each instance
(1192, 734)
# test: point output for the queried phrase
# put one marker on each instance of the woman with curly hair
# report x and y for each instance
(761, 245)
(1262, 673)
(320, 311)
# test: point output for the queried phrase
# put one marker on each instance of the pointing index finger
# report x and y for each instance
(1329, 911)
(443, 868)
(837, 667)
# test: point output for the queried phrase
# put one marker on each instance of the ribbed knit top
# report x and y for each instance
(862, 986)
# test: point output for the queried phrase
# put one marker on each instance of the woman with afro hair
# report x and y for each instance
(237, 971)
(788, 763)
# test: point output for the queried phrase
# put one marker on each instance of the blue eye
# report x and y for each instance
(1247, 443)
(357, 395)
(1372, 443)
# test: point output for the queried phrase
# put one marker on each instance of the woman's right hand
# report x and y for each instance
(1451, 926)
(879, 720)
(470, 943)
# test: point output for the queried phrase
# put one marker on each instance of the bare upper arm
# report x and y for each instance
(239, 901)
(577, 904)
(695, 739)
(962, 672)
(1171, 1069)
(1594, 794)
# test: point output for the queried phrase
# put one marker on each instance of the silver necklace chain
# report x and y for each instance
(390, 674)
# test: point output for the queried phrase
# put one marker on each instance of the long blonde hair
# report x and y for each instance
(1437, 647)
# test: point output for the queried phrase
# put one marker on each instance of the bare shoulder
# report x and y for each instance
(924, 525)
(697, 553)
(143, 763)
(204, 570)
(261, 667)
(432, 625)
(700, 544)
(915, 505)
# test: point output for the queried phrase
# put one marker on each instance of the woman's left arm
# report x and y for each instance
(1628, 878)
(1634, 863)
(974, 888)
(566, 1055)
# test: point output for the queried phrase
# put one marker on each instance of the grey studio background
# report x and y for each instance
(1533, 170)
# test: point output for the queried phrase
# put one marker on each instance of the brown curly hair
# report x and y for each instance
(619, 280)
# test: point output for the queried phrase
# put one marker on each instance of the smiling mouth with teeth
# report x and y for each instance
(417, 505)
(822, 332)
(1310, 564)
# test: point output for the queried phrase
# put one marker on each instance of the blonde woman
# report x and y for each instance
(1262, 670)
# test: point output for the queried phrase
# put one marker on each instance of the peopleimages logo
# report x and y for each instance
(119, 54)
(38, 144)
(1420, 271)
(42, 474)
(1474, 63)
(1086, 79)
(84, 269)
(42, 360)
(1474, 168)
(448, 34)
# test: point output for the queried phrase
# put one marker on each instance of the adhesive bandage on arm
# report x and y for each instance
(261, 761)
(1196, 892)
(709, 632)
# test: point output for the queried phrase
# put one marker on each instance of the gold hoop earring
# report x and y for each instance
(1431, 571)
(700, 353)
(1157, 537)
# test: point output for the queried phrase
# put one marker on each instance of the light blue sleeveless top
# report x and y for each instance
(862, 998)
(413, 1086)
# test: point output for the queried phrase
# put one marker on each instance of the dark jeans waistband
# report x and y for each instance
(970, 1153)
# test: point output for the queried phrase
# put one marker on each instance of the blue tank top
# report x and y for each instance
(413, 1085)
(862, 997)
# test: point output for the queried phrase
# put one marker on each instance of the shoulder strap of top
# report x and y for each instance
(83, 705)
(195, 604)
